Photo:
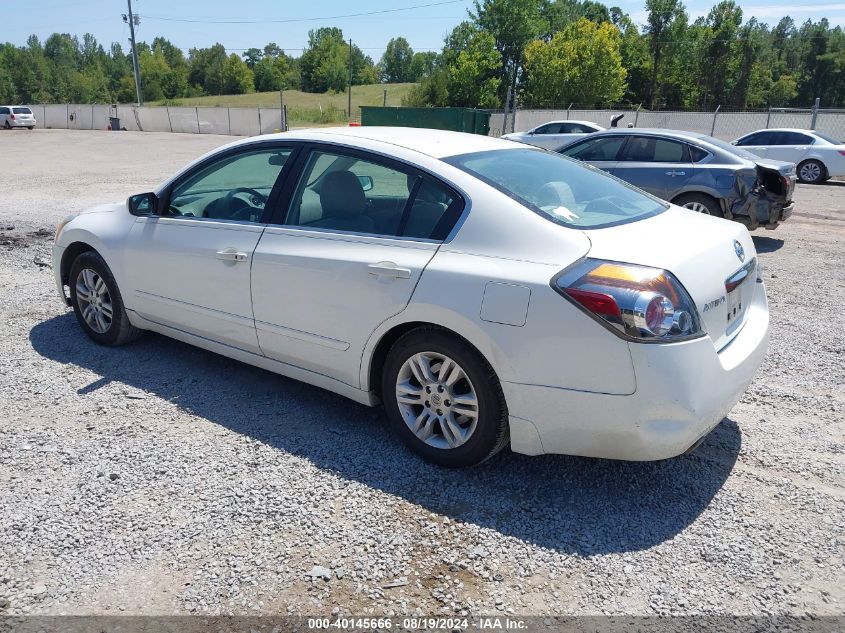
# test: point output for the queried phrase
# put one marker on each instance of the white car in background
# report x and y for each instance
(16, 116)
(555, 134)
(818, 157)
(486, 292)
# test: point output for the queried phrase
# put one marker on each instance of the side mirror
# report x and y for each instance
(142, 204)
(734, 143)
(366, 182)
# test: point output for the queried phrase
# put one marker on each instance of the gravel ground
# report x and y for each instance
(162, 479)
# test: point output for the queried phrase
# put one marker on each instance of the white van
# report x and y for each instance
(16, 116)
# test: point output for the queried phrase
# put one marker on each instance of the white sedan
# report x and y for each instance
(555, 134)
(487, 293)
(818, 157)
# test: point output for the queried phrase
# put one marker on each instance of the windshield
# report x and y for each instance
(560, 189)
(21, 110)
(829, 139)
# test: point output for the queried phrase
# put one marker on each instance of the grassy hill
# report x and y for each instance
(307, 107)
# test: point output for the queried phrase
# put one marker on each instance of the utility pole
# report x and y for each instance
(349, 105)
(133, 20)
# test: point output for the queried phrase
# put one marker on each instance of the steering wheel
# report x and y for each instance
(257, 199)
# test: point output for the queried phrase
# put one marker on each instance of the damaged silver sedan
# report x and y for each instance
(695, 171)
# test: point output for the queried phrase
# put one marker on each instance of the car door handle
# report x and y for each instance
(675, 172)
(231, 255)
(389, 269)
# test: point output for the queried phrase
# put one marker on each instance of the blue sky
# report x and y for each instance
(423, 27)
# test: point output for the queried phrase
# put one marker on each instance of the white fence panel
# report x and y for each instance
(55, 116)
(100, 117)
(80, 117)
(271, 120)
(184, 120)
(213, 120)
(153, 119)
(244, 121)
(38, 112)
(128, 118)
(832, 124)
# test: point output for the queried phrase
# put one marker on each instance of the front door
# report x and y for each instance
(189, 268)
(358, 234)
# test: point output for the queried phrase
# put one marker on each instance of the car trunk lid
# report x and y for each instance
(714, 259)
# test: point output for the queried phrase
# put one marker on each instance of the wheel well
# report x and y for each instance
(718, 201)
(71, 253)
(394, 334)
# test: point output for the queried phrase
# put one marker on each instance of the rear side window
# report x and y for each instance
(793, 138)
(602, 148)
(697, 154)
(433, 213)
(649, 149)
(340, 192)
(4, 111)
(21, 110)
(576, 128)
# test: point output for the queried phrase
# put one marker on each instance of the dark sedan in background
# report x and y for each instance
(694, 171)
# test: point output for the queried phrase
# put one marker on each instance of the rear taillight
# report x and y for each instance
(842, 151)
(12, 116)
(636, 302)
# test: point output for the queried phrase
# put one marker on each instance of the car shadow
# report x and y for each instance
(766, 244)
(568, 504)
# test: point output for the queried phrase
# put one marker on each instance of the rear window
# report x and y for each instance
(21, 110)
(560, 189)
(733, 149)
(829, 139)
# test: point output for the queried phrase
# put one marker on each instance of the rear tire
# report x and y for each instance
(700, 203)
(812, 172)
(452, 410)
(97, 302)
(30, 127)
(7, 126)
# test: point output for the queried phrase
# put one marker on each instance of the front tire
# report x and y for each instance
(443, 399)
(97, 302)
(700, 203)
(812, 172)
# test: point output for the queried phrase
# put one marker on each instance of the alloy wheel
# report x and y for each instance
(810, 172)
(697, 207)
(437, 400)
(94, 300)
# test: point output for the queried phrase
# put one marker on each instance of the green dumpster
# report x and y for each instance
(457, 119)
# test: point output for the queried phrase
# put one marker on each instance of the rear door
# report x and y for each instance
(659, 165)
(790, 147)
(358, 232)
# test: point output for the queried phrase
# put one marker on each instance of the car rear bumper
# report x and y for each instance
(21, 123)
(683, 391)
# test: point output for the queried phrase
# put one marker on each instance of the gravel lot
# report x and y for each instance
(162, 479)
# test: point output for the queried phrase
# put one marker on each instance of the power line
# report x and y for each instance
(313, 19)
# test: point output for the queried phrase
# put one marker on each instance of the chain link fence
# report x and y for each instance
(724, 125)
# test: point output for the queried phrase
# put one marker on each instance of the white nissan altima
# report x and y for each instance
(487, 293)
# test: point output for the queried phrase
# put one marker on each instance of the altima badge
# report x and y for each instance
(740, 252)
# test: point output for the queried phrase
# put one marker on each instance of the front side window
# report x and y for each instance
(649, 149)
(596, 149)
(549, 128)
(759, 138)
(233, 188)
(577, 128)
(561, 190)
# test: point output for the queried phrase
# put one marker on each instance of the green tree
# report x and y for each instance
(423, 64)
(661, 16)
(581, 64)
(237, 77)
(206, 69)
(473, 79)
(396, 63)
